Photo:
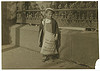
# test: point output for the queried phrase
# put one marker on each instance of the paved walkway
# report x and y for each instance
(23, 58)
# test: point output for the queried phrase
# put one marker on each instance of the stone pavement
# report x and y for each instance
(24, 58)
(73, 43)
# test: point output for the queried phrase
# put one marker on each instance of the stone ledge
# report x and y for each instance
(71, 40)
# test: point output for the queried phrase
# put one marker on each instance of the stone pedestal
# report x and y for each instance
(80, 47)
(25, 36)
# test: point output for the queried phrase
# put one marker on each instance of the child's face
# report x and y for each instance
(49, 14)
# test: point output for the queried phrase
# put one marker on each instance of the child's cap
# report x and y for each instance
(49, 9)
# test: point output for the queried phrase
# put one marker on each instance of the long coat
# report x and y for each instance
(55, 30)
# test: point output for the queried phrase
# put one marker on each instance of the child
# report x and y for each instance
(48, 35)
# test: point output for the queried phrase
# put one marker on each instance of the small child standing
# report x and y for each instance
(48, 35)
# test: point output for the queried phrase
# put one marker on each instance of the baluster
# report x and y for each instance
(62, 18)
(66, 6)
(86, 4)
(17, 6)
(26, 17)
(81, 4)
(96, 4)
(42, 7)
(26, 4)
(87, 15)
(23, 6)
(37, 7)
(17, 17)
(83, 16)
(29, 7)
(29, 18)
(60, 6)
(20, 18)
(33, 16)
(23, 17)
(75, 16)
(91, 16)
(36, 16)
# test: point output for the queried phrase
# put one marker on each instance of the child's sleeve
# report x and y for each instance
(57, 28)
(40, 26)
(40, 34)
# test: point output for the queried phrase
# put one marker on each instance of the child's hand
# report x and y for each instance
(56, 38)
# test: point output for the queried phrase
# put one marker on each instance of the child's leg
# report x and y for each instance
(55, 56)
(45, 58)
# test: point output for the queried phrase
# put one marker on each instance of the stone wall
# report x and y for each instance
(80, 47)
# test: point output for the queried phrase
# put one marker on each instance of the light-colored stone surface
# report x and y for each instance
(77, 46)
(80, 47)
(13, 33)
(29, 37)
(22, 58)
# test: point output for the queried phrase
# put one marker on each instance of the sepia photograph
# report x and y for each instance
(49, 34)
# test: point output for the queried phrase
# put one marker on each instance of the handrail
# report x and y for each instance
(60, 9)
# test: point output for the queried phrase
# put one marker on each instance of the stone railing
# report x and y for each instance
(68, 14)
